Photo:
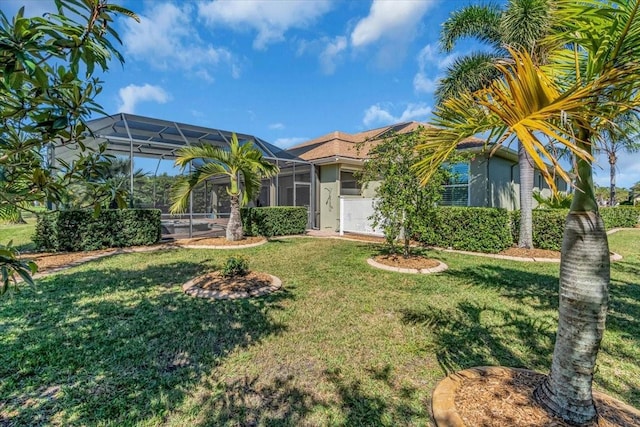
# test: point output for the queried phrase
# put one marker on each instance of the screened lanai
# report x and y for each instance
(148, 147)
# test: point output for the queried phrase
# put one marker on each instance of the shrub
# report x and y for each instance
(235, 266)
(470, 229)
(274, 220)
(81, 230)
(548, 227)
(46, 233)
(548, 224)
(620, 216)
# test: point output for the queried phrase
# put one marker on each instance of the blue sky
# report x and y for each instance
(286, 71)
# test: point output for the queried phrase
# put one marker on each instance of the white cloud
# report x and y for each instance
(289, 142)
(429, 60)
(379, 115)
(331, 53)
(132, 95)
(390, 19)
(166, 38)
(422, 83)
(276, 126)
(271, 19)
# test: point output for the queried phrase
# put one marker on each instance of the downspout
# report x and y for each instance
(489, 186)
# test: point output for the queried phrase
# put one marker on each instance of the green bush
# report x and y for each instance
(80, 230)
(548, 227)
(620, 216)
(235, 266)
(469, 229)
(46, 233)
(548, 224)
(274, 220)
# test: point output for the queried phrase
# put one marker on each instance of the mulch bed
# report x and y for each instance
(218, 241)
(214, 285)
(507, 400)
(48, 261)
(531, 253)
(413, 261)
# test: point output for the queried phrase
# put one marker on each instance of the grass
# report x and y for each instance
(116, 342)
(19, 234)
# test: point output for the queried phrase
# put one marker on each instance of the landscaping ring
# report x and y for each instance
(215, 286)
(441, 266)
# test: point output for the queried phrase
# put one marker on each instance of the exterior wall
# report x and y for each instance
(329, 193)
(478, 181)
(502, 192)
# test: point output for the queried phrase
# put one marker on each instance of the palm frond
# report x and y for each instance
(207, 152)
(525, 22)
(481, 22)
(469, 73)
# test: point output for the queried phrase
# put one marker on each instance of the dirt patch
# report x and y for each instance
(413, 261)
(531, 253)
(502, 400)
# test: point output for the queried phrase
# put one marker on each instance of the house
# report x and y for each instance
(485, 180)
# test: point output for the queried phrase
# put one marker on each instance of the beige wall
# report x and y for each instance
(329, 193)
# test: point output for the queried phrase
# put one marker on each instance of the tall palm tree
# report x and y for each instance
(522, 25)
(241, 164)
(622, 135)
(593, 76)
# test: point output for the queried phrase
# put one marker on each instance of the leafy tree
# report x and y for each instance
(402, 204)
(47, 92)
(521, 25)
(620, 135)
(107, 181)
(593, 76)
(243, 164)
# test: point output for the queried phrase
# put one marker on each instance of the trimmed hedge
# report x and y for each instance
(274, 220)
(80, 230)
(468, 228)
(548, 224)
(620, 216)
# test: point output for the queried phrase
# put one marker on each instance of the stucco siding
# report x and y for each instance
(478, 181)
(329, 193)
(502, 193)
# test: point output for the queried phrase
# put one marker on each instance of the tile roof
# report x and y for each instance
(357, 146)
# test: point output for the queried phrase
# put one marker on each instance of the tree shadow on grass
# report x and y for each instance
(361, 407)
(250, 401)
(117, 345)
(477, 335)
(540, 291)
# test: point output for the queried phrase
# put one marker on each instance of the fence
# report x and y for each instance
(354, 216)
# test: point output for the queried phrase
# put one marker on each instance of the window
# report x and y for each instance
(349, 185)
(456, 191)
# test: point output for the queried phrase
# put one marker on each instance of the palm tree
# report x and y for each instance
(593, 75)
(522, 24)
(623, 134)
(242, 164)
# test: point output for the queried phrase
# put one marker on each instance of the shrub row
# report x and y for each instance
(467, 228)
(493, 230)
(274, 220)
(81, 230)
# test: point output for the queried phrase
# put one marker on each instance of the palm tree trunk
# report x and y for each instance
(234, 226)
(525, 165)
(584, 281)
(612, 179)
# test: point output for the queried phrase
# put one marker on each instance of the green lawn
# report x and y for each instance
(116, 342)
(19, 234)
